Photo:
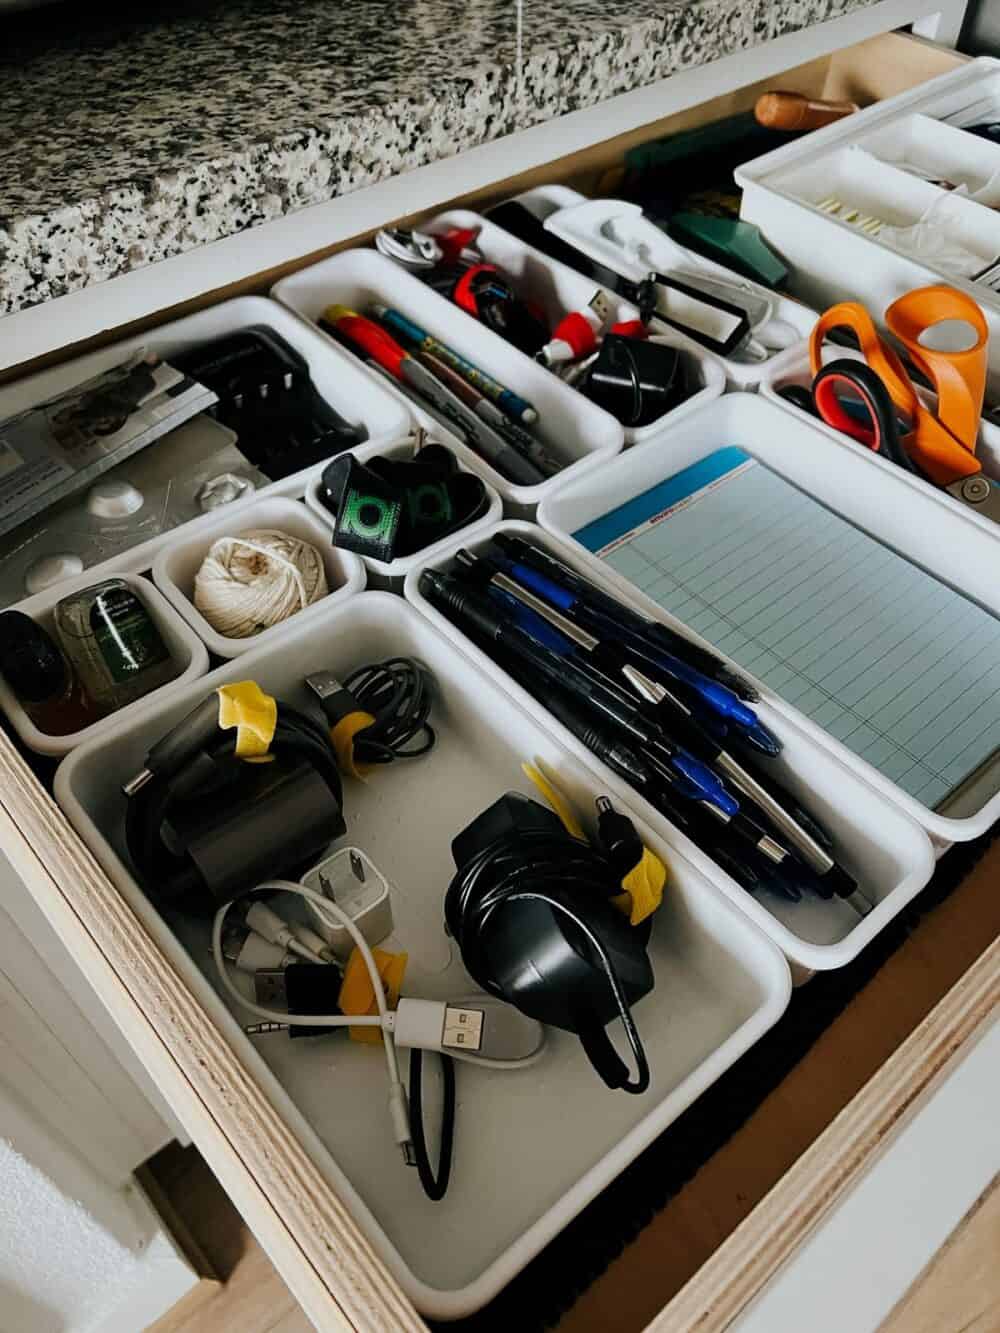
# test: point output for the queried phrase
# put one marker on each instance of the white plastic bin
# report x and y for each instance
(834, 259)
(337, 377)
(523, 1168)
(911, 521)
(576, 430)
(389, 574)
(547, 202)
(794, 368)
(890, 856)
(181, 641)
(177, 564)
(560, 290)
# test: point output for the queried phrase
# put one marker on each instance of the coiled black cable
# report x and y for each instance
(547, 866)
(203, 774)
(397, 693)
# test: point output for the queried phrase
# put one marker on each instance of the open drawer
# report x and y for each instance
(295, 1208)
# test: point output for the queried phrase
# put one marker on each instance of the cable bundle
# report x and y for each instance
(253, 580)
(396, 693)
(576, 973)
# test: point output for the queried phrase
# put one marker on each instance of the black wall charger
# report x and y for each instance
(530, 910)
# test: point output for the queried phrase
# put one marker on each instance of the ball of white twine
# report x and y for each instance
(254, 580)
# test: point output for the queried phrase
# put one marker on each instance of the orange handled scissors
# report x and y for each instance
(941, 442)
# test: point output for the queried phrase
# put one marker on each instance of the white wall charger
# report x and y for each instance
(358, 888)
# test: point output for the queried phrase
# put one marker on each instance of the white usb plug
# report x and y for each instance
(478, 1028)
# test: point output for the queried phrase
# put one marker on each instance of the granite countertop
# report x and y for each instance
(123, 142)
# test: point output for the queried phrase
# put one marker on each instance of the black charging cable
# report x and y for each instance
(397, 694)
(435, 1185)
(551, 867)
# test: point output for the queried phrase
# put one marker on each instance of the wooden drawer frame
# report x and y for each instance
(330, 1267)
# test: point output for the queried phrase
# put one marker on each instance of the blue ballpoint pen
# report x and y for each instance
(653, 631)
(614, 703)
(724, 702)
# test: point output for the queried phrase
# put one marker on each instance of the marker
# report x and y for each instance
(506, 399)
(386, 353)
(522, 440)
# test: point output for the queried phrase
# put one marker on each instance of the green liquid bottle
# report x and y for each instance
(112, 642)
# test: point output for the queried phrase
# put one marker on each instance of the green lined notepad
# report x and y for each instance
(896, 665)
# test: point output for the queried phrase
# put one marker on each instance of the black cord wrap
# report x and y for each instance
(397, 693)
(563, 872)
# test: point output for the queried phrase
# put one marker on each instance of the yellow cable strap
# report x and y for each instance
(253, 713)
(342, 738)
(643, 888)
(559, 803)
(357, 995)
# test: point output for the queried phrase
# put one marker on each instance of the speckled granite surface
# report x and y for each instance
(125, 142)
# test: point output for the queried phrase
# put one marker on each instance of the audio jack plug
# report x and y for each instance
(618, 838)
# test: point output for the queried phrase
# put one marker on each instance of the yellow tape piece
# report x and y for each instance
(253, 713)
(643, 887)
(357, 995)
(559, 803)
(342, 738)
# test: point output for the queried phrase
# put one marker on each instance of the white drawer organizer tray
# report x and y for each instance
(388, 575)
(559, 290)
(523, 1165)
(913, 522)
(180, 640)
(836, 256)
(578, 431)
(891, 857)
(177, 564)
(584, 223)
(794, 368)
(337, 376)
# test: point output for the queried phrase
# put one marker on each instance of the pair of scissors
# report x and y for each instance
(875, 402)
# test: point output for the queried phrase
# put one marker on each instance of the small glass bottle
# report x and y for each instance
(41, 678)
(112, 641)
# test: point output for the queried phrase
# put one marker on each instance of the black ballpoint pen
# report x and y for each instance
(682, 730)
(560, 671)
(700, 743)
(687, 815)
(672, 641)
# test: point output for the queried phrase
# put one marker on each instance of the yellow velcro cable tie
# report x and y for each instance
(342, 739)
(643, 888)
(357, 995)
(559, 803)
(254, 714)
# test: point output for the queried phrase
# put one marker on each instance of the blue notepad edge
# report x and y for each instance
(660, 499)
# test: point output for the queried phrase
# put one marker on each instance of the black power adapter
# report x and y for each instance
(530, 910)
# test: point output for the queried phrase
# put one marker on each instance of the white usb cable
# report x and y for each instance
(479, 1029)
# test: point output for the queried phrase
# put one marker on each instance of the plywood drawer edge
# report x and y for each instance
(843, 1153)
(331, 1268)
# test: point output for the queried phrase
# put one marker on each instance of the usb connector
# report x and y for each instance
(463, 1029)
(480, 1028)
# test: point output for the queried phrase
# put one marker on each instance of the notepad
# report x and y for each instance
(896, 665)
